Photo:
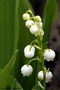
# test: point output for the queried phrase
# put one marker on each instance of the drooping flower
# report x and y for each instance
(49, 54)
(40, 75)
(34, 29)
(29, 51)
(49, 76)
(29, 23)
(26, 70)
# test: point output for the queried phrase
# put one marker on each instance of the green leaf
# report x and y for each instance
(8, 26)
(36, 87)
(11, 80)
(0, 69)
(13, 84)
(4, 74)
(50, 13)
(16, 86)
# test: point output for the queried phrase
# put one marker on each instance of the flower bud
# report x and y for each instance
(26, 16)
(26, 70)
(37, 18)
(49, 54)
(29, 23)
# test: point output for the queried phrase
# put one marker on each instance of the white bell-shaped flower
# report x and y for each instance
(34, 29)
(26, 70)
(49, 54)
(29, 23)
(26, 16)
(40, 75)
(29, 51)
(49, 76)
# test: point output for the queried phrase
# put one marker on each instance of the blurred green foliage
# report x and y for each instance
(50, 13)
(7, 30)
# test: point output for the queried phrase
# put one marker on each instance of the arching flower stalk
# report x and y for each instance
(35, 26)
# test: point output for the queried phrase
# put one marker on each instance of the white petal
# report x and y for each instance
(29, 54)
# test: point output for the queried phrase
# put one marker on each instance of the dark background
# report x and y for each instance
(54, 43)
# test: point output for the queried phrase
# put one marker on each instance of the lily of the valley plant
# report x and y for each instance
(35, 26)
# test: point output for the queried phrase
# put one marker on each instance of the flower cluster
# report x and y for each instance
(34, 24)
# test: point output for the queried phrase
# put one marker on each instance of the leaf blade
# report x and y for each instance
(50, 14)
(8, 24)
(16, 86)
(4, 74)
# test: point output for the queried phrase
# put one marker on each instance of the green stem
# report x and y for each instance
(41, 86)
(34, 41)
(42, 61)
(45, 44)
(29, 11)
(37, 47)
(38, 59)
(42, 58)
